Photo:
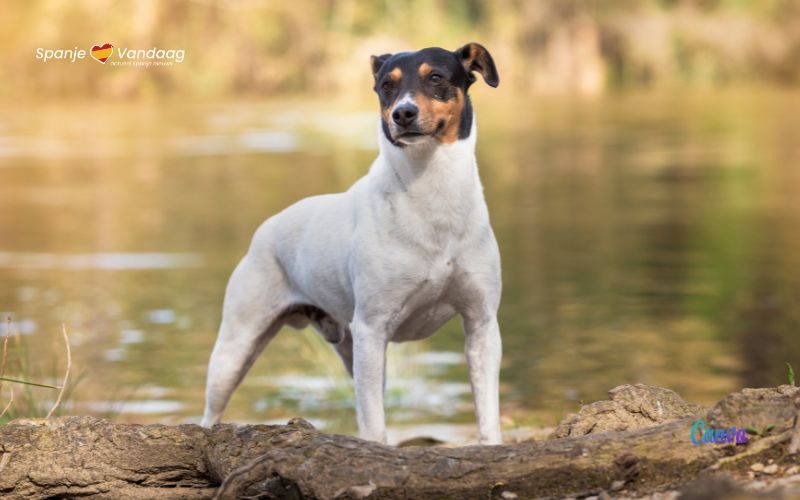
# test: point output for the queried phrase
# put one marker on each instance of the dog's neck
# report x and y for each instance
(433, 190)
(415, 167)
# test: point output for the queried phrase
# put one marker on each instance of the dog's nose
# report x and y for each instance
(405, 115)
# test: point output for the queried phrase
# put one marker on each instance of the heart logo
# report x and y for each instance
(101, 53)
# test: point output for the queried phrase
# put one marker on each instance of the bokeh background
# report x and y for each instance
(640, 159)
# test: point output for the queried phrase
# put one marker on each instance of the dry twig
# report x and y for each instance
(5, 351)
(10, 400)
(66, 373)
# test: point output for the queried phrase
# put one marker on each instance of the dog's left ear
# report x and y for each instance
(377, 63)
(475, 57)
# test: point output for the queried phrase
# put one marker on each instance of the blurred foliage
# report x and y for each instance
(262, 47)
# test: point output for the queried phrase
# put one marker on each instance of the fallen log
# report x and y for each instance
(90, 457)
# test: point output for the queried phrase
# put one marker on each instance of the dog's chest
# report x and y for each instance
(426, 304)
(435, 214)
(424, 227)
(421, 267)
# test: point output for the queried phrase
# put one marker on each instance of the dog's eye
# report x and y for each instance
(436, 78)
(387, 86)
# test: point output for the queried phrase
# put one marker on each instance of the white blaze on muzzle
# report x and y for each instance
(406, 99)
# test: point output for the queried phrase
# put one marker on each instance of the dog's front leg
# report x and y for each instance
(369, 375)
(484, 350)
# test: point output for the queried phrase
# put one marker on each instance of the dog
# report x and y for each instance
(392, 259)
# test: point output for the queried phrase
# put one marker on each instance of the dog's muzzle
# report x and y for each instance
(405, 123)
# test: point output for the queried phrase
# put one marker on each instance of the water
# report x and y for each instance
(649, 238)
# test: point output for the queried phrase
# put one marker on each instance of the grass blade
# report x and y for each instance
(24, 382)
(790, 373)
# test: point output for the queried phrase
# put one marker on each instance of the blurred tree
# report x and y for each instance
(263, 47)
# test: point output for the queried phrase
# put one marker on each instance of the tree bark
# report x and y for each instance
(90, 457)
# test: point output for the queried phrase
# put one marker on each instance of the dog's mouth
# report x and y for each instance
(415, 133)
(411, 135)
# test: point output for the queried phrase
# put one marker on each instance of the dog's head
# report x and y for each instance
(423, 94)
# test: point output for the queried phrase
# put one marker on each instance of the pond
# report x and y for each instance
(644, 238)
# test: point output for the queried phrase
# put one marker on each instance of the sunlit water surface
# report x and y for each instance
(649, 239)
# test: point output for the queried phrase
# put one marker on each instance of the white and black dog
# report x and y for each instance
(393, 258)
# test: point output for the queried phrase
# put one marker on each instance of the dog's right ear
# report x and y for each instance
(377, 63)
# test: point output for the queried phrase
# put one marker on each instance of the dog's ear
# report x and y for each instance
(475, 57)
(377, 63)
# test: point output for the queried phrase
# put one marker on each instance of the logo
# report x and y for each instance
(101, 53)
(120, 56)
(701, 435)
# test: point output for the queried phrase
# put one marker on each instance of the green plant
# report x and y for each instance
(763, 432)
(790, 373)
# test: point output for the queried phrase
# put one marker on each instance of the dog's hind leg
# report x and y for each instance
(252, 314)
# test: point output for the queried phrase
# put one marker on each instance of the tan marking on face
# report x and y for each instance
(432, 111)
(386, 114)
(424, 69)
(396, 74)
